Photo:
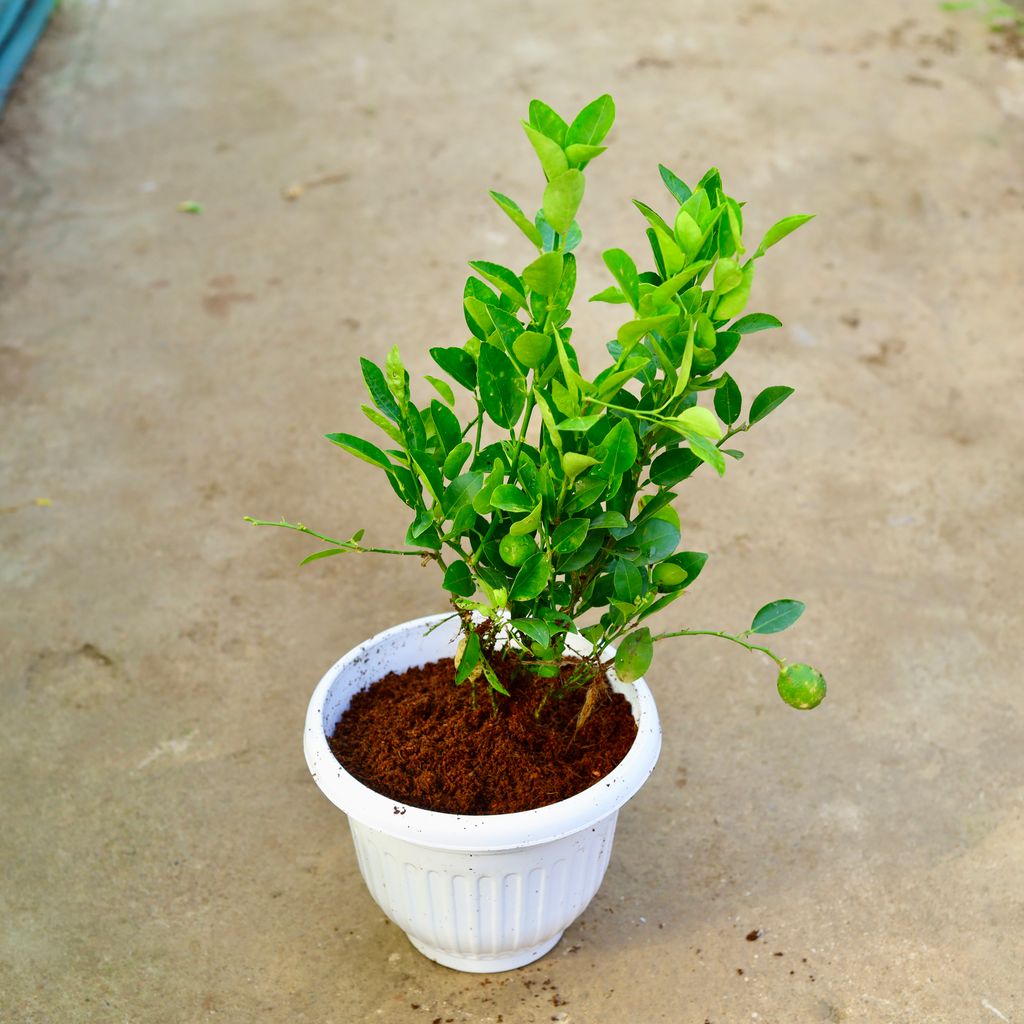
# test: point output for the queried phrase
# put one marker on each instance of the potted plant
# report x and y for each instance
(543, 494)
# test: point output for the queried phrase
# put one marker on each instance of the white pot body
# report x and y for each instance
(476, 893)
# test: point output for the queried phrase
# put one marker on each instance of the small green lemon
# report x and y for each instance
(801, 686)
(516, 550)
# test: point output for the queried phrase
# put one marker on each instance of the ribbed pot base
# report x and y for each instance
(485, 964)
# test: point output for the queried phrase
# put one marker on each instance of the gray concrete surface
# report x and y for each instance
(165, 857)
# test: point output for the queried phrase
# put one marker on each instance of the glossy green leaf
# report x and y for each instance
(532, 348)
(728, 400)
(532, 578)
(688, 234)
(754, 322)
(516, 215)
(456, 459)
(470, 658)
(671, 467)
(443, 388)
(546, 121)
(536, 629)
(611, 294)
(569, 536)
(623, 269)
(396, 377)
(492, 679)
(656, 540)
(618, 451)
(734, 302)
(626, 581)
(553, 160)
(580, 155)
(380, 420)
(457, 363)
(446, 424)
(727, 275)
(700, 421)
(579, 424)
(778, 231)
(767, 401)
(502, 387)
(608, 521)
(459, 580)
(634, 655)
(511, 498)
(562, 198)
(528, 524)
(592, 123)
(677, 187)
(365, 450)
(378, 389)
(502, 278)
(429, 471)
(544, 273)
(706, 451)
(329, 553)
(574, 463)
(777, 616)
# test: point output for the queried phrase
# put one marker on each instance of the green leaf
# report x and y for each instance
(677, 187)
(592, 123)
(456, 459)
(461, 491)
(378, 390)
(442, 388)
(688, 233)
(728, 342)
(457, 363)
(323, 554)
(569, 536)
(508, 326)
(532, 578)
(502, 278)
(379, 420)
(502, 387)
(623, 269)
(691, 562)
(608, 521)
(768, 400)
(495, 683)
(446, 425)
(579, 424)
(671, 467)
(728, 400)
(528, 524)
(361, 449)
(580, 155)
(429, 471)
(618, 450)
(754, 322)
(532, 348)
(664, 291)
(546, 121)
(734, 302)
(634, 655)
(697, 420)
(656, 540)
(574, 463)
(777, 616)
(706, 452)
(459, 580)
(727, 275)
(510, 498)
(610, 294)
(778, 231)
(544, 273)
(632, 331)
(553, 160)
(562, 198)
(470, 658)
(536, 629)
(516, 215)
(626, 581)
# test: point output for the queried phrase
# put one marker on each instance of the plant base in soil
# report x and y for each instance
(419, 740)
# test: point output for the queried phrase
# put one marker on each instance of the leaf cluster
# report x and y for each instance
(545, 493)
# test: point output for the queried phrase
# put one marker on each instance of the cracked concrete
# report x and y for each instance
(165, 856)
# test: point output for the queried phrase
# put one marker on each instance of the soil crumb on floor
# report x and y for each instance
(418, 739)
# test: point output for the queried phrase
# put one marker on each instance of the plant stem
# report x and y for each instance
(725, 636)
(349, 545)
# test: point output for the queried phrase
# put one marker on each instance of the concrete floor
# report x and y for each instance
(165, 857)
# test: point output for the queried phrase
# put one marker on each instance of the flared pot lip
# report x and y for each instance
(474, 833)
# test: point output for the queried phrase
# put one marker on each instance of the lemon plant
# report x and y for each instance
(544, 495)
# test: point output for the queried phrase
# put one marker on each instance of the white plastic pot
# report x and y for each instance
(476, 893)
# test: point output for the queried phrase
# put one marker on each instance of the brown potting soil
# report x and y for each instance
(420, 740)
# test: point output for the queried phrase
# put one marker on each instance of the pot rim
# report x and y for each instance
(490, 833)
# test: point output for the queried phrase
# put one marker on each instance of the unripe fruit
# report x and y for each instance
(516, 550)
(801, 686)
